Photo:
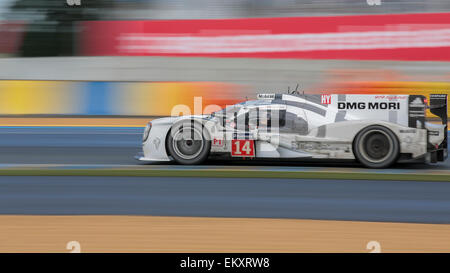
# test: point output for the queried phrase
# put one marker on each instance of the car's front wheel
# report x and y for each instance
(376, 147)
(188, 143)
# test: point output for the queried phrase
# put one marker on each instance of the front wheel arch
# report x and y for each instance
(206, 136)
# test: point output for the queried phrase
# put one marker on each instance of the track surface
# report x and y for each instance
(392, 201)
(111, 145)
(396, 201)
(66, 145)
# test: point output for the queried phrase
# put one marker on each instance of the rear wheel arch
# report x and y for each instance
(381, 134)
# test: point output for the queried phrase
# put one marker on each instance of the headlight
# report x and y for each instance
(147, 131)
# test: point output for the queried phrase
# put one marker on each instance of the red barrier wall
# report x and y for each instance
(367, 37)
(11, 35)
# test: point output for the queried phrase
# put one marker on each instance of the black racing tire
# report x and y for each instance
(188, 143)
(376, 147)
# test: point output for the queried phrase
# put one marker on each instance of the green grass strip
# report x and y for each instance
(226, 174)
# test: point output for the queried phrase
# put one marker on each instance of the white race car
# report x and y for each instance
(376, 130)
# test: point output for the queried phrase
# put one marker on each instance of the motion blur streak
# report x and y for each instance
(32, 97)
(98, 145)
(74, 122)
(190, 234)
(380, 37)
(358, 200)
(159, 99)
(110, 98)
(78, 84)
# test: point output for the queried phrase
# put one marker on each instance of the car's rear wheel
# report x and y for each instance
(188, 143)
(376, 147)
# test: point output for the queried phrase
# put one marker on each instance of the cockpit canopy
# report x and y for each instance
(262, 114)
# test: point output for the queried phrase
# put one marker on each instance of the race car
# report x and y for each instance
(375, 130)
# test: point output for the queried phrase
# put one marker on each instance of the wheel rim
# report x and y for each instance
(188, 143)
(376, 146)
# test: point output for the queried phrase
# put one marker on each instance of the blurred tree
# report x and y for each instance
(51, 29)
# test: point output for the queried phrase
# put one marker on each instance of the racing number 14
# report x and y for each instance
(242, 147)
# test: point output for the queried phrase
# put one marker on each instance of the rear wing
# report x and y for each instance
(438, 107)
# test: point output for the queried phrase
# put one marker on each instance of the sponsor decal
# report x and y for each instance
(242, 148)
(316, 146)
(416, 111)
(433, 133)
(266, 96)
(156, 142)
(441, 96)
(326, 99)
(417, 102)
(408, 131)
(217, 142)
(242, 136)
(368, 105)
(391, 97)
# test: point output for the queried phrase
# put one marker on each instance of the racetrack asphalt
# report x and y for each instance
(69, 145)
(117, 146)
(385, 201)
(363, 200)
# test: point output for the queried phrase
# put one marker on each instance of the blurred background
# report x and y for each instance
(142, 57)
(79, 79)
